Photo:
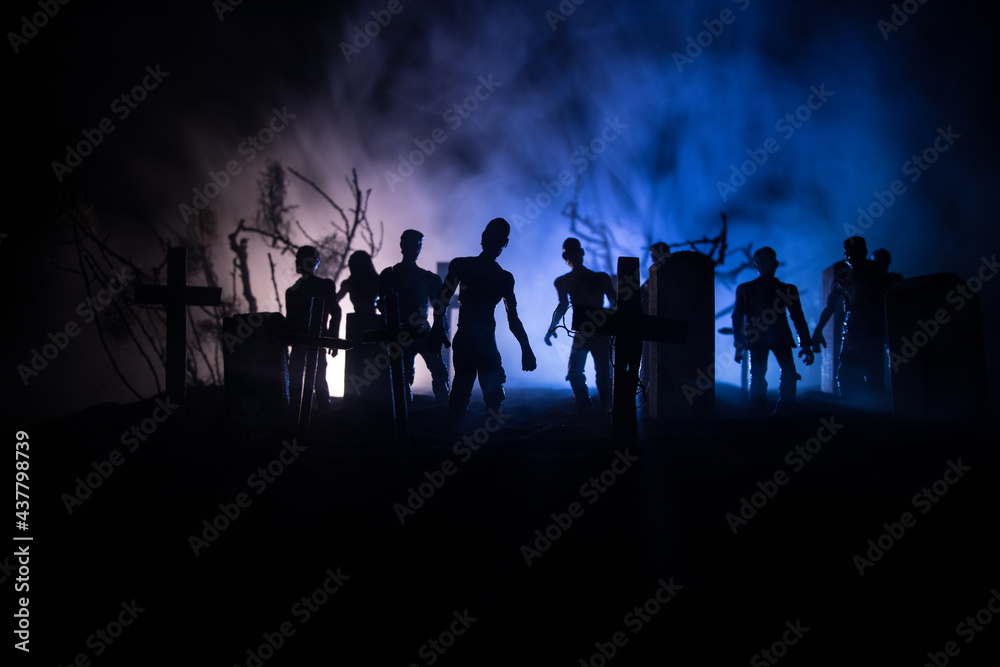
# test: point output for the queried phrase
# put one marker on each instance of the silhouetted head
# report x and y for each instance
(306, 260)
(410, 243)
(882, 259)
(855, 251)
(495, 236)
(572, 251)
(658, 251)
(766, 261)
(360, 264)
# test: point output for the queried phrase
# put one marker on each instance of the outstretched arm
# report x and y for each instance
(801, 328)
(832, 301)
(439, 330)
(557, 314)
(610, 291)
(345, 287)
(528, 362)
(798, 317)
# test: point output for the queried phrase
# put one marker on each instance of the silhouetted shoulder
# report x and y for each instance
(460, 264)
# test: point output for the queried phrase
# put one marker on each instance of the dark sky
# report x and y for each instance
(675, 129)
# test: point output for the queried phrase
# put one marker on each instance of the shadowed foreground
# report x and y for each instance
(654, 524)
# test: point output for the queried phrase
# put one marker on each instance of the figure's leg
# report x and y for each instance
(491, 373)
(601, 351)
(574, 373)
(322, 388)
(789, 380)
(463, 356)
(851, 372)
(439, 372)
(758, 379)
(409, 359)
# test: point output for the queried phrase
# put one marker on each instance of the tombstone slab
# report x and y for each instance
(936, 349)
(366, 365)
(682, 377)
(255, 371)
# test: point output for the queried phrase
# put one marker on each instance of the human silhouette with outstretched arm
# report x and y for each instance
(481, 284)
(362, 284)
(416, 288)
(297, 300)
(585, 289)
(862, 289)
(760, 325)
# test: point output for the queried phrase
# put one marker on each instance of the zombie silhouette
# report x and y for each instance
(416, 287)
(362, 284)
(760, 325)
(482, 283)
(297, 299)
(862, 289)
(584, 289)
(881, 259)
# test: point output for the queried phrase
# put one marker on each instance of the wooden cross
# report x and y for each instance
(176, 296)
(630, 328)
(402, 336)
(301, 405)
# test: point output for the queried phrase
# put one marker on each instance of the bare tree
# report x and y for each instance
(125, 327)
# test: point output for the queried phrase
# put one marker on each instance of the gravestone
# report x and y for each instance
(682, 377)
(936, 349)
(176, 296)
(366, 365)
(833, 332)
(630, 327)
(255, 371)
